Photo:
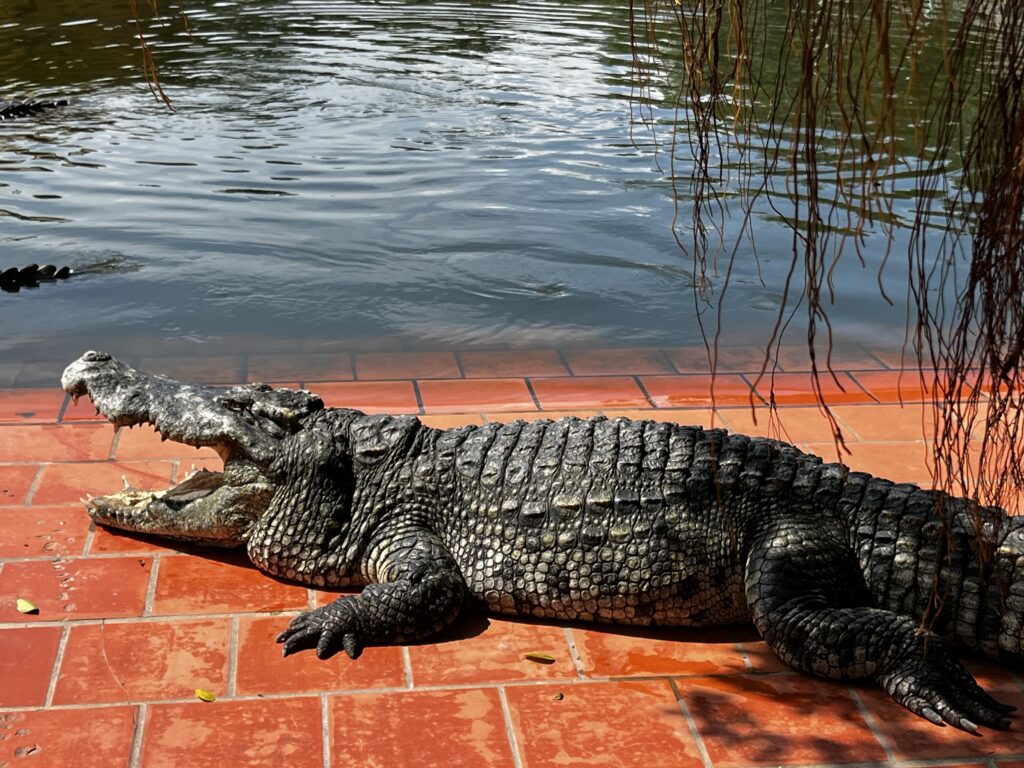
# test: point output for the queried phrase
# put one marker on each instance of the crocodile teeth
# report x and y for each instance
(127, 485)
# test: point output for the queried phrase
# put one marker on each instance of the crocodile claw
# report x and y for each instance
(328, 629)
(933, 684)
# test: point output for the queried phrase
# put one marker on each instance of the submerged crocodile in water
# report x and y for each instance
(609, 520)
(12, 109)
(13, 279)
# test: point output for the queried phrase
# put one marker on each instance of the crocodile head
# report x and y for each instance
(246, 425)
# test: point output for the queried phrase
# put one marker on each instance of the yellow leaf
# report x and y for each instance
(26, 606)
(540, 658)
(204, 695)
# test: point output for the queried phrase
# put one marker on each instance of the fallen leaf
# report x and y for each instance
(540, 658)
(26, 606)
(204, 695)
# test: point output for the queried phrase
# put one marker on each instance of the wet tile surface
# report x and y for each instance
(456, 728)
(254, 733)
(124, 619)
(625, 723)
(61, 738)
(27, 655)
(143, 661)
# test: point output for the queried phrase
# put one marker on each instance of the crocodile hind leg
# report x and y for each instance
(808, 600)
(420, 592)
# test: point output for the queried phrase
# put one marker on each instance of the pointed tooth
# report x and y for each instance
(127, 485)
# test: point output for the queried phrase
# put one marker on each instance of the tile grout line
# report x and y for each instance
(34, 485)
(407, 667)
(869, 719)
(58, 662)
(232, 670)
(135, 754)
(643, 391)
(147, 604)
(419, 396)
(115, 443)
(533, 394)
(325, 729)
(691, 725)
(506, 714)
(574, 652)
(63, 408)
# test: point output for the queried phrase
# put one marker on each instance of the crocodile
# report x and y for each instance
(845, 575)
(26, 108)
(13, 279)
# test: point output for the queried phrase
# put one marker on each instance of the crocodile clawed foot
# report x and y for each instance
(934, 685)
(328, 629)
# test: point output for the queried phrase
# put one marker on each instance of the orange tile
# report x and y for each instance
(255, 733)
(31, 406)
(407, 365)
(897, 386)
(220, 582)
(796, 358)
(330, 366)
(778, 719)
(15, 481)
(492, 395)
(762, 658)
(466, 729)
(144, 442)
(797, 389)
(77, 588)
(83, 410)
(42, 531)
(66, 483)
(885, 422)
(26, 663)
(626, 652)
(466, 655)
(370, 396)
(143, 660)
(731, 359)
(913, 738)
(64, 442)
(63, 738)
(226, 369)
(262, 669)
(449, 420)
(790, 424)
(605, 362)
(589, 392)
(621, 724)
(899, 462)
(512, 363)
(702, 417)
(676, 391)
(504, 418)
(112, 541)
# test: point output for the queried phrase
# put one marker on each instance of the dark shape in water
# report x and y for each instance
(12, 109)
(14, 279)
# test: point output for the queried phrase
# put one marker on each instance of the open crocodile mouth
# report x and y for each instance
(207, 507)
(246, 425)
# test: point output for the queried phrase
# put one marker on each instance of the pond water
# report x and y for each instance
(450, 173)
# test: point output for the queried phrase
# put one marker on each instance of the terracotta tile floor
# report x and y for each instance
(127, 628)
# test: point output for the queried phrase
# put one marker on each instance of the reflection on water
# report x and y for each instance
(459, 172)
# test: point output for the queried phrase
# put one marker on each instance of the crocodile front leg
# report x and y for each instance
(809, 602)
(420, 591)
